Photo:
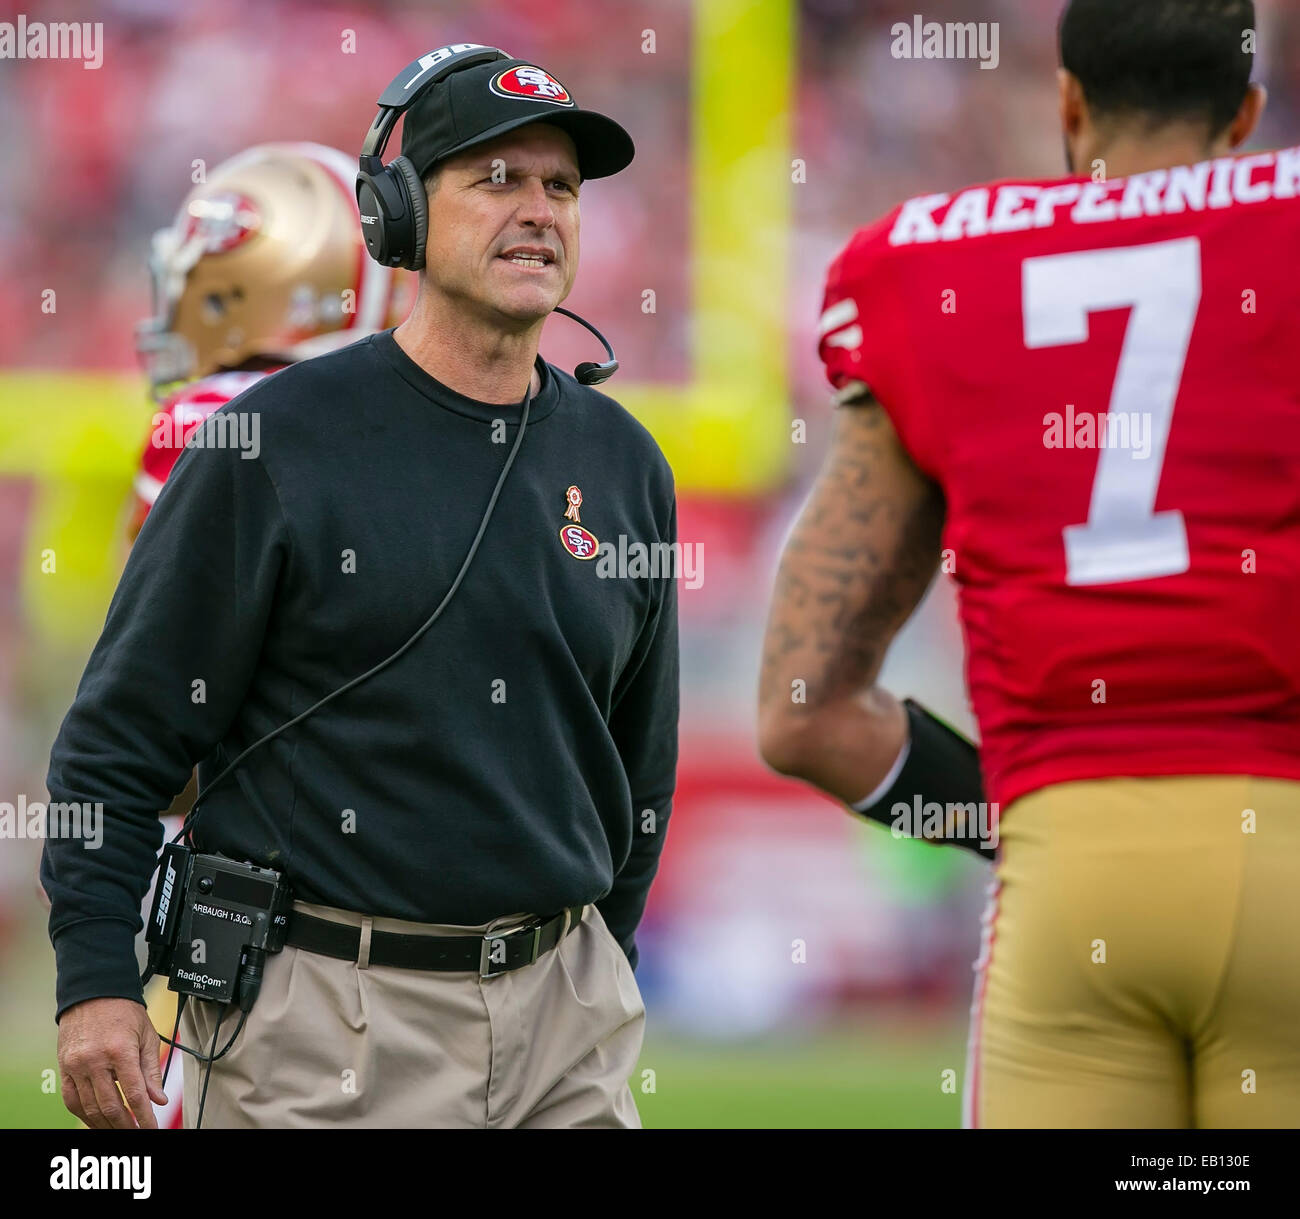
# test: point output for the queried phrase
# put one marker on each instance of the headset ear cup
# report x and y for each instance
(419, 204)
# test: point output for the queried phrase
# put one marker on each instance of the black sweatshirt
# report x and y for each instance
(504, 765)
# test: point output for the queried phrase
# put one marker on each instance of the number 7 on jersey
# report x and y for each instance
(1124, 538)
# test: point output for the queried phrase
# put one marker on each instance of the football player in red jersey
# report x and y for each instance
(264, 265)
(1085, 389)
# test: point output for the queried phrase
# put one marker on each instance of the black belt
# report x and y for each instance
(493, 953)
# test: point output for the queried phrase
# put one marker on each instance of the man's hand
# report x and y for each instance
(104, 1043)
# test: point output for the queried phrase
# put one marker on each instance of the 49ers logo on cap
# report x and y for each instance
(530, 83)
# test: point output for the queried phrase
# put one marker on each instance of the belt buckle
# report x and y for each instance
(487, 968)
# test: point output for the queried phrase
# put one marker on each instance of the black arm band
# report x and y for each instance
(939, 794)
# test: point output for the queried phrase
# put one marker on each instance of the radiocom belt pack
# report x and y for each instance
(213, 922)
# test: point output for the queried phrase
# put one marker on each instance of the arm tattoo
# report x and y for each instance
(860, 558)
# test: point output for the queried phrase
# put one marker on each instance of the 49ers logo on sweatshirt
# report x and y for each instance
(530, 83)
(578, 540)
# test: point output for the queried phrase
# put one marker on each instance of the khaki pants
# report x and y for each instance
(332, 1043)
(1141, 963)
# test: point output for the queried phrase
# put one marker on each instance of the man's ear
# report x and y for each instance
(1074, 115)
(1248, 115)
(1073, 106)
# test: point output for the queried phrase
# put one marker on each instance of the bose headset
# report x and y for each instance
(394, 223)
(394, 207)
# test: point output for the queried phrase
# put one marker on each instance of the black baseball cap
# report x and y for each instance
(479, 104)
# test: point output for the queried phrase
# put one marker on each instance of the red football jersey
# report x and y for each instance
(1102, 378)
(171, 428)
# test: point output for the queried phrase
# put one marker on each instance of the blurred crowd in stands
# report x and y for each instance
(101, 158)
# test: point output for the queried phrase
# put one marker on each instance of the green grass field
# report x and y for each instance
(832, 1081)
(842, 1079)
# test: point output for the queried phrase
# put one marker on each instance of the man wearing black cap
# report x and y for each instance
(470, 833)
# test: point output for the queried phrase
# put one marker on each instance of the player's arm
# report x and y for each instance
(859, 560)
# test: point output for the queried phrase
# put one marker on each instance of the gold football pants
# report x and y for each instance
(1141, 958)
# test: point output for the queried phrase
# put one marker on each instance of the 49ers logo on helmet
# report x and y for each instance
(220, 221)
(530, 83)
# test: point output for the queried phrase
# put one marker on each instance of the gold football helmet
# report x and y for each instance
(265, 260)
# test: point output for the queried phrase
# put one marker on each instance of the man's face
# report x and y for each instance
(503, 224)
